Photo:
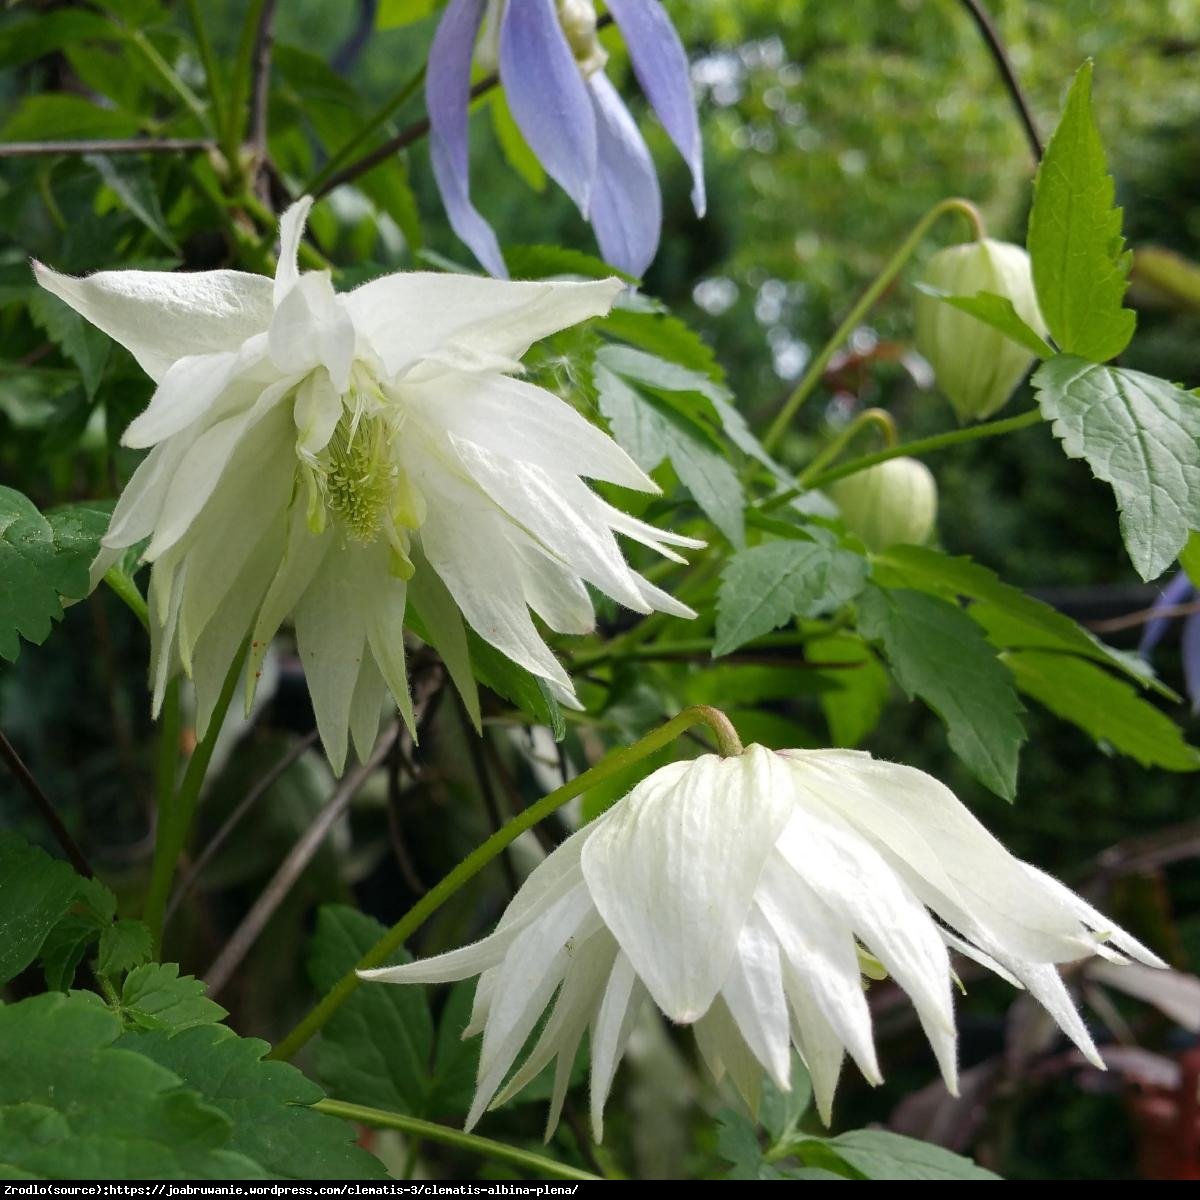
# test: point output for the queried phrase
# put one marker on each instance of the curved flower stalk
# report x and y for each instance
(334, 458)
(1179, 591)
(744, 896)
(551, 67)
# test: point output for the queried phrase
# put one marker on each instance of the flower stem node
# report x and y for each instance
(748, 896)
(890, 503)
(334, 458)
(977, 367)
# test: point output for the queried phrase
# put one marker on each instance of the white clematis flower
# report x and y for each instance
(331, 458)
(741, 895)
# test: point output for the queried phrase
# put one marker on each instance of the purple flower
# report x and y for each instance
(552, 69)
(1179, 591)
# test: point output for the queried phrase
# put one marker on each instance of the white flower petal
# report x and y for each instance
(517, 421)
(658, 540)
(161, 316)
(725, 1051)
(914, 820)
(366, 707)
(312, 328)
(623, 996)
(409, 316)
(190, 387)
(554, 591)
(756, 1001)
(140, 505)
(291, 230)
(383, 603)
(857, 884)
(670, 882)
(1045, 985)
(818, 1043)
(317, 411)
(820, 958)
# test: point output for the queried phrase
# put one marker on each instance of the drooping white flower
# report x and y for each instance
(334, 458)
(739, 895)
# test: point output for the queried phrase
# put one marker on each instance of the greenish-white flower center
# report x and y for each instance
(357, 480)
(578, 19)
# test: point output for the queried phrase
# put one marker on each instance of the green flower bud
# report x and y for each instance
(976, 366)
(891, 502)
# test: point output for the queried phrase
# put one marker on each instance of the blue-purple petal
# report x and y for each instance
(626, 203)
(1178, 591)
(547, 96)
(661, 65)
(447, 96)
(1191, 659)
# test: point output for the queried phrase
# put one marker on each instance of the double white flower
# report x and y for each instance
(335, 458)
(743, 895)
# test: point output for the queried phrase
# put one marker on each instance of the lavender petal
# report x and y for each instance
(447, 96)
(626, 204)
(547, 96)
(661, 65)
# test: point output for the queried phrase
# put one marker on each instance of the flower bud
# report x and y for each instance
(891, 502)
(977, 367)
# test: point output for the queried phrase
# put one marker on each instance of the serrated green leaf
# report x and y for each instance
(1104, 707)
(1080, 266)
(267, 1103)
(91, 912)
(1030, 619)
(35, 893)
(737, 1144)
(123, 946)
(996, 311)
(652, 430)
(78, 339)
(545, 262)
(376, 1049)
(767, 585)
(879, 1154)
(938, 653)
(156, 996)
(42, 558)
(73, 1106)
(1138, 433)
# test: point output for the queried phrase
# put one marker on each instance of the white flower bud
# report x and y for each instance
(977, 367)
(892, 502)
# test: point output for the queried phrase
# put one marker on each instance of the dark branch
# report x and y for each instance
(1144, 616)
(262, 80)
(33, 789)
(107, 146)
(991, 36)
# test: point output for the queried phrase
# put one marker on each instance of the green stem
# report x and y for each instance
(497, 1151)
(163, 70)
(239, 101)
(208, 59)
(816, 369)
(175, 820)
(583, 662)
(372, 125)
(127, 590)
(871, 416)
(701, 714)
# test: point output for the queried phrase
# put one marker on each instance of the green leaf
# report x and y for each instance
(1080, 266)
(651, 430)
(33, 38)
(123, 946)
(1030, 622)
(42, 558)
(856, 698)
(377, 1047)
(1105, 707)
(35, 893)
(938, 653)
(455, 1060)
(91, 912)
(1138, 433)
(529, 693)
(780, 1112)
(393, 14)
(767, 585)
(267, 1103)
(737, 1144)
(73, 1106)
(1189, 558)
(52, 116)
(79, 340)
(545, 262)
(996, 311)
(156, 996)
(878, 1154)
(513, 144)
(132, 185)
